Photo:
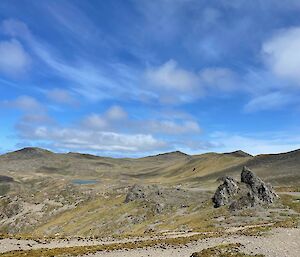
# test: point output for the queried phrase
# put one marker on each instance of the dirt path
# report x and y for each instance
(280, 243)
(7, 245)
(290, 193)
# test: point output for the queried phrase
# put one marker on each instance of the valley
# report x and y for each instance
(82, 204)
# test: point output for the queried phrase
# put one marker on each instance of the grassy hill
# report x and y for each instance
(167, 168)
(46, 193)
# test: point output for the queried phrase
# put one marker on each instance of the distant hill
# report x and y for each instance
(28, 152)
(239, 153)
(46, 193)
(169, 155)
(279, 169)
(171, 168)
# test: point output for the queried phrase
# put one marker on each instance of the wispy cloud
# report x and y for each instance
(24, 103)
(271, 101)
(14, 59)
(61, 96)
(90, 80)
(255, 143)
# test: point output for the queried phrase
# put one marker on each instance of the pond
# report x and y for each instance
(84, 181)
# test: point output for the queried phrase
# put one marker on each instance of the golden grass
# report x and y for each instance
(288, 189)
(224, 250)
(81, 250)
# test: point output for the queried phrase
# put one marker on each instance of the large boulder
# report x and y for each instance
(251, 191)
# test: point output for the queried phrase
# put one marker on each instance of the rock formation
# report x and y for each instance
(225, 192)
(259, 188)
(251, 191)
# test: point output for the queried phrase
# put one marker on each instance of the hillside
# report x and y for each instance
(169, 168)
(278, 169)
(46, 193)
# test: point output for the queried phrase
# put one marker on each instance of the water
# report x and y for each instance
(84, 181)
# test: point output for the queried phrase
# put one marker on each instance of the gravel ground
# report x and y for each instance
(280, 243)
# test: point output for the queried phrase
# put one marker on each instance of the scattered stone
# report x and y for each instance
(136, 192)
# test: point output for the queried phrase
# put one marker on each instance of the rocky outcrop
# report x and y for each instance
(260, 189)
(159, 199)
(142, 192)
(225, 192)
(251, 191)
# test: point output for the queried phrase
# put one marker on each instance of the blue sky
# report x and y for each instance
(139, 77)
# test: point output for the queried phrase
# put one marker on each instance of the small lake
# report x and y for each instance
(84, 181)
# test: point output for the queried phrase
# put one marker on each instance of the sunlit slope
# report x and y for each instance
(190, 167)
(168, 168)
(279, 169)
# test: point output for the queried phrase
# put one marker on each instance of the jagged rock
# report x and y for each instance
(244, 199)
(251, 191)
(225, 192)
(263, 191)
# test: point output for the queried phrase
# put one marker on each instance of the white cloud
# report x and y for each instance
(84, 139)
(113, 117)
(116, 118)
(171, 77)
(256, 144)
(24, 103)
(61, 96)
(116, 113)
(173, 84)
(170, 127)
(14, 59)
(271, 101)
(282, 54)
(113, 130)
(95, 121)
(221, 79)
